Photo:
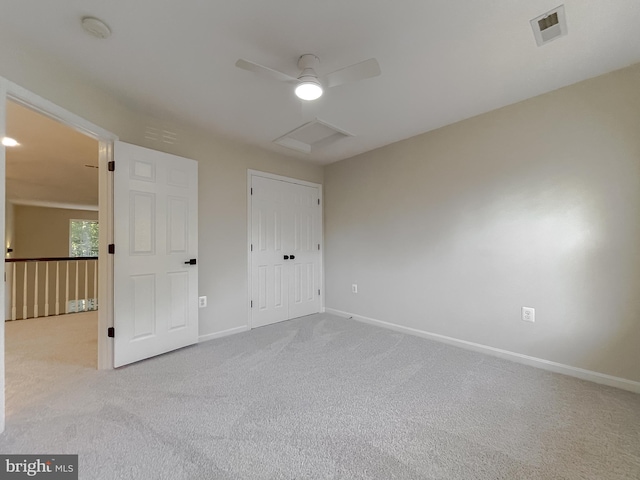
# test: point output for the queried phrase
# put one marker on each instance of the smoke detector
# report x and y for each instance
(549, 26)
(96, 27)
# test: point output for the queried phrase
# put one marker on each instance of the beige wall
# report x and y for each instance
(536, 204)
(41, 232)
(222, 167)
(44, 232)
(450, 232)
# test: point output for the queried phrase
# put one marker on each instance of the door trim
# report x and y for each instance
(272, 176)
(9, 91)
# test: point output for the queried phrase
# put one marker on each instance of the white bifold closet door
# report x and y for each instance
(285, 250)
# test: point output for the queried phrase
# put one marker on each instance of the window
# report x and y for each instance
(83, 238)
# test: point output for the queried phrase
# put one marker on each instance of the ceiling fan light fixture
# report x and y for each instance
(308, 89)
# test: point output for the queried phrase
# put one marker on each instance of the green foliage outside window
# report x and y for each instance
(83, 238)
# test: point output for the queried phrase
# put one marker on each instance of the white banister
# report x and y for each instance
(13, 292)
(66, 296)
(25, 284)
(86, 285)
(57, 288)
(24, 293)
(76, 297)
(95, 285)
(46, 289)
(35, 294)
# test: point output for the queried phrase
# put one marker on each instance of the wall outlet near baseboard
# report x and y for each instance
(202, 302)
(529, 314)
(354, 288)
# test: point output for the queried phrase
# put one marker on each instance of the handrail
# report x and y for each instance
(48, 259)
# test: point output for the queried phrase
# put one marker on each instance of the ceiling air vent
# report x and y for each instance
(311, 136)
(549, 26)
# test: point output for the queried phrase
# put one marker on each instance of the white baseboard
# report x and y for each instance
(581, 373)
(223, 333)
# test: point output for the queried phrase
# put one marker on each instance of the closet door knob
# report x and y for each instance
(292, 257)
(286, 257)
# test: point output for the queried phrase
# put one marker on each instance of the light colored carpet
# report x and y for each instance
(321, 398)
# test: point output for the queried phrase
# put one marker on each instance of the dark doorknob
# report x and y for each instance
(286, 257)
(292, 257)
(190, 262)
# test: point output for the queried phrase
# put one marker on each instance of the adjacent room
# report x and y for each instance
(340, 240)
(51, 237)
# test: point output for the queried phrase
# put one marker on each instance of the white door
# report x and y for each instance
(285, 255)
(303, 240)
(155, 236)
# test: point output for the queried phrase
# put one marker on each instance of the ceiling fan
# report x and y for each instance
(308, 85)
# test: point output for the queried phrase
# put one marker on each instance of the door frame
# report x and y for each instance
(9, 91)
(272, 176)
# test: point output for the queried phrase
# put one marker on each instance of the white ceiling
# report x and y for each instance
(441, 60)
(48, 167)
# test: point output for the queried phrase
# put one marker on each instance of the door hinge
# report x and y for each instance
(111, 166)
(318, 291)
(251, 191)
(252, 247)
(318, 201)
(251, 303)
(112, 248)
(318, 246)
(111, 332)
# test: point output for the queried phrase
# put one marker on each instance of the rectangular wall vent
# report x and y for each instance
(160, 135)
(549, 26)
(311, 136)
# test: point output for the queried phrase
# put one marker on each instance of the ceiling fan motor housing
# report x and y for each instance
(308, 61)
(309, 87)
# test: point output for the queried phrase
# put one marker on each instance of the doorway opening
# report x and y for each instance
(11, 93)
(51, 256)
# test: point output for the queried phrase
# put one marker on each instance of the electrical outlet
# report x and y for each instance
(529, 314)
(202, 302)
(354, 288)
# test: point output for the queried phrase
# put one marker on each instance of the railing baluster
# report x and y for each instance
(66, 297)
(24, 293)
(76, 309)
(35, 294)
(95, 284)
(86, 286)
(57, 288)
(13, 292)
(46, 289)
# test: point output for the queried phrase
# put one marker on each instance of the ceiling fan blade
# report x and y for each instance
(359, 71)
(265, 71)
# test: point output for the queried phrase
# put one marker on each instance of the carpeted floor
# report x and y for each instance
(321, 398)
